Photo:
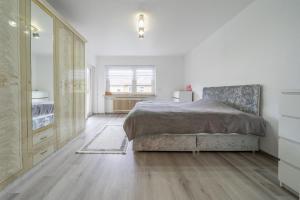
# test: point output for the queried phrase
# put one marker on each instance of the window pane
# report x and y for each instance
(120, 72)
(144, 76)
(120, 80)
(126, 79)
(120, 89)
(144, 81)
(120, 76)
(144, 72)
(144, 89)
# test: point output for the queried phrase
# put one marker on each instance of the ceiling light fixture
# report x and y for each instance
(34, 28)
(36, 35)
(141, 26)
(35, 32)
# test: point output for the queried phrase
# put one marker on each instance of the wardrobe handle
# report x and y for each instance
(45, 137)
(42, 153)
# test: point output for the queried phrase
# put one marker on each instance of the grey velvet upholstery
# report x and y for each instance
(242, 97)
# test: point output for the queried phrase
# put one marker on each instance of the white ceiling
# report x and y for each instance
(173, 27)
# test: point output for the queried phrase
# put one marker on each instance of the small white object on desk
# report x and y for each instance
(289, 140)
(183, 96)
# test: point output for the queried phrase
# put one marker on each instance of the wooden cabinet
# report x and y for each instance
(70, 75)
(43, 135)
(124, 105)
(64, 96)
(20, 146)
(120, 105)
(13, 65)
(79, 85)
(43, 150)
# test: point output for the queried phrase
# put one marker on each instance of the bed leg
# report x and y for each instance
(195, 152)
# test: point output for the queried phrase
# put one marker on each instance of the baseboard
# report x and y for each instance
(269, 155)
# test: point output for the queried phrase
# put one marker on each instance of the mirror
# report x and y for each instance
(41, 68)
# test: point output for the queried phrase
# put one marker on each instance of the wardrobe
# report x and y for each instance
(42, 85)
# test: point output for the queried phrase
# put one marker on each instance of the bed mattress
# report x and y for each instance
(203, 116)
(42, 108)
(42, 114)
(42, 121)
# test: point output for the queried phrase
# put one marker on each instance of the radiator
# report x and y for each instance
(124, 105)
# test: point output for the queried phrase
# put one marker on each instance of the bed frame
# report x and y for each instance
(243, 97)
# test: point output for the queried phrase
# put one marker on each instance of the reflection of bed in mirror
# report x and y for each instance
(42, 110)
(42, 77)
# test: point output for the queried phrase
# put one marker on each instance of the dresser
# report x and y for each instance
(183, 96)
(289, 140)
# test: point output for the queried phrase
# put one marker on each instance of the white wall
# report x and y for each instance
(169, 75)
(260, 45)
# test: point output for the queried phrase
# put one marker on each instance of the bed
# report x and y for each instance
(226, 119)
(42, 110)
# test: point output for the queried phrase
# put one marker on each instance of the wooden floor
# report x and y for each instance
(148, 175)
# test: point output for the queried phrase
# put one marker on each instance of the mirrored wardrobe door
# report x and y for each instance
(42, 82)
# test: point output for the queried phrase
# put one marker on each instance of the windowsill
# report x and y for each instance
(130, 95)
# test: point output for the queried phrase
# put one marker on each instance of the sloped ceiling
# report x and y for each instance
(173, 27)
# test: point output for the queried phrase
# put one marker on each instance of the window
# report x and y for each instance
(130, 79)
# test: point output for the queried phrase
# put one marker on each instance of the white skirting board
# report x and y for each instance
(197, 142)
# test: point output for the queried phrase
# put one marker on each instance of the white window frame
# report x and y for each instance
(134, 68)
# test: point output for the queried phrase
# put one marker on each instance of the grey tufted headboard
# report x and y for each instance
(242, 97)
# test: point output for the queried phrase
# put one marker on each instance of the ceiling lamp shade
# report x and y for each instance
(35, 32)
(141, 26)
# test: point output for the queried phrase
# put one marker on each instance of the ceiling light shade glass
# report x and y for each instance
(34, 28)
(141, 31)
(141, 21)
(141, 26)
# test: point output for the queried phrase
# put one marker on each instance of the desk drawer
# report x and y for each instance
(289, 152)
(290, 104)
(289, 175)
(289, 128)
(43, 153)
(42, 136)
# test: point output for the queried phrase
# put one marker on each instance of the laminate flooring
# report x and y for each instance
(147, 175)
